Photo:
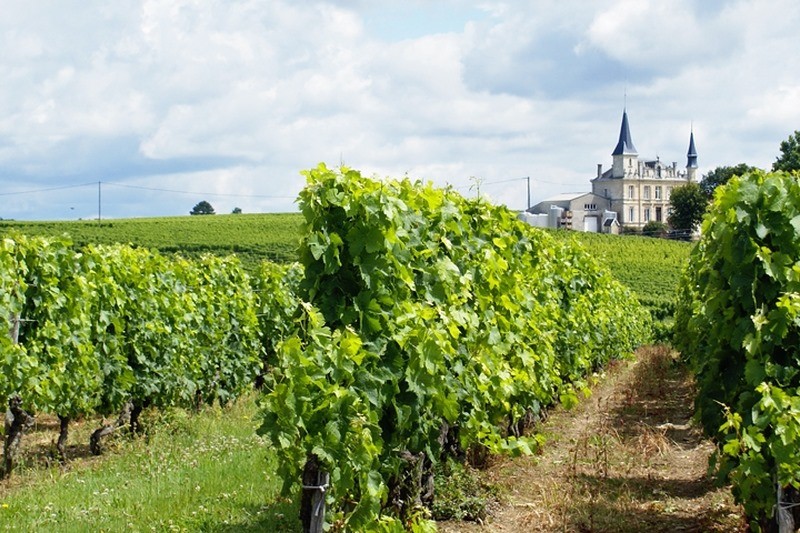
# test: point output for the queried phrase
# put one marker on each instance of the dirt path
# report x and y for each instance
(626, 459)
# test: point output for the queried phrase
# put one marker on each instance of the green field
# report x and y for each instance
(251, 237)
(651, 267)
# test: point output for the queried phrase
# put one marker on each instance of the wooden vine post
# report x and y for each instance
(783, 514)
(312, 503)
(17, 420)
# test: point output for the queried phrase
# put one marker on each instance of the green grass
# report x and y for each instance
(252, 237)
(191, 472)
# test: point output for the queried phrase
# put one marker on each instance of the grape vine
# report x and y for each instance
(433, 322)
(738, 324)
(101, 327)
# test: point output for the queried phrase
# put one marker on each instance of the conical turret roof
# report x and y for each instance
(625, 145)
(691, 155)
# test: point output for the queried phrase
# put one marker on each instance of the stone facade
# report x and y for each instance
(630, 194)
(639, 190)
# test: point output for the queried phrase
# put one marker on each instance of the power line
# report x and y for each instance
(488, 183)
(176, 191)
(139, 187)
(48, 189)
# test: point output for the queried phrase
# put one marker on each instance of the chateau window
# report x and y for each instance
(631, 218)
(658, 192)
(646, 192)
(647, 214)
(669, 192)
(630, 192)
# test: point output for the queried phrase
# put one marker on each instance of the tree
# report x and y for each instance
(789, 159)
(202, 208)
(689, 204)
(237, 211)
(721, 176)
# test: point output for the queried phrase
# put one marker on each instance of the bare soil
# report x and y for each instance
(628, 458)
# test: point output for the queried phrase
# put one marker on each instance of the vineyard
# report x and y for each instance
(418, 329)
(112, 329)
(252, 238)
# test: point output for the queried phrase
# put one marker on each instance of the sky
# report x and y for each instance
(145, 108)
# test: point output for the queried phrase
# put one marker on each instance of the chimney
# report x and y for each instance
(599, 169)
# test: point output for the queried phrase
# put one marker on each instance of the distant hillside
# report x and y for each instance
(252, 237)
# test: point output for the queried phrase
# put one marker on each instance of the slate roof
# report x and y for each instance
(692, 154)
(625, 145)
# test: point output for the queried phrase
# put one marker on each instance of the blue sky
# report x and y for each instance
(169, 103)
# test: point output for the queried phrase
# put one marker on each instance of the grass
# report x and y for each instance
(205, 471)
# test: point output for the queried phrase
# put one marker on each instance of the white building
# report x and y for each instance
(631, 193)
(582, 211)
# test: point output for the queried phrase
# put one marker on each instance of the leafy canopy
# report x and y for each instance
(202, 208)
(688, 206)
(789, 160)
(738, 324)
(721, 176)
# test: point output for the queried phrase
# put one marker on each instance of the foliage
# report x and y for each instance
(688, 206)
(104, 325)
(651, 268)
(721, 176)
(738, 323)
(789, 160)
(277, 305)
(202, 208)
(236, 211)
(427, 312)
(655, 228)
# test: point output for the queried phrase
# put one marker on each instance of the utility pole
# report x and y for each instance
(528, 178)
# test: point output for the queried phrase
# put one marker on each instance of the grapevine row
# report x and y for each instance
(111, 329)
(434, 324)
(738, 324)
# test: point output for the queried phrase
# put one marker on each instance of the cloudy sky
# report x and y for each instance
(156, 105)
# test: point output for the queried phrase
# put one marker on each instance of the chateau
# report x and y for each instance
(631, 193)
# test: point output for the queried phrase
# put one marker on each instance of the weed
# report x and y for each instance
(460, 494)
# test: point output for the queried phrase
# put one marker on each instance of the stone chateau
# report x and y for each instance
(631, 193)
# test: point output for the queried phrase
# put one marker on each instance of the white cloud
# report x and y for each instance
(241, 95)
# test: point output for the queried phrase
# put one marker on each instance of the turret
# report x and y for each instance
(691, 159)
(625, 153)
